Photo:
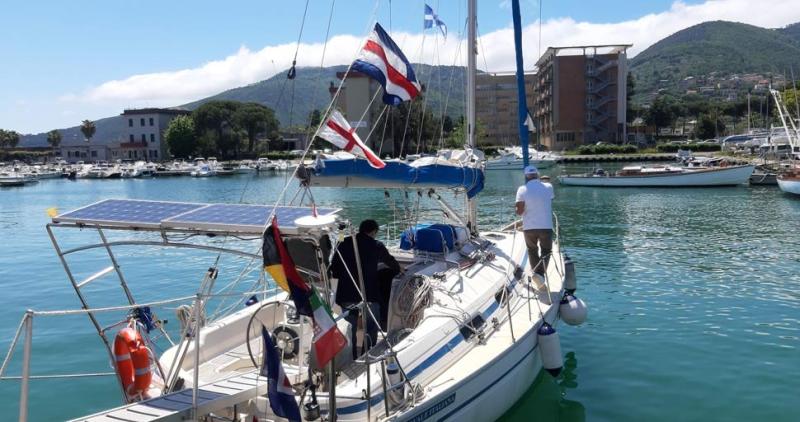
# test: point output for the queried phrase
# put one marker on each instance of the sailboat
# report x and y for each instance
(469, 325)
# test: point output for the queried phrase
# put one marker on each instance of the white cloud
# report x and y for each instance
(247, 66)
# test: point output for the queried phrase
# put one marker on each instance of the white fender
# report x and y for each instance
(573, 310)
(570, 284)
(550, 349)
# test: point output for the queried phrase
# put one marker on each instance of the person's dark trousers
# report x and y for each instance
(534, 240)
(371, 333)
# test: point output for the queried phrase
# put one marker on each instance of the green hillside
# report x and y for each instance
(722, 47)
(791, 31)
(311, 91)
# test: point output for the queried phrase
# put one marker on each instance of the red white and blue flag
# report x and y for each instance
(382, 60)
(337, 131)
(279, 389)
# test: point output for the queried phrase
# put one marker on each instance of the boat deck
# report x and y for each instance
(177, 406)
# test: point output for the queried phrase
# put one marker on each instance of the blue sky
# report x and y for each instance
(59, 56)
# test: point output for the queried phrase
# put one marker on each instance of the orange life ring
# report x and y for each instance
(133, 362)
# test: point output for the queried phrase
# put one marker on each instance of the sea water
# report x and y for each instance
(693, 294)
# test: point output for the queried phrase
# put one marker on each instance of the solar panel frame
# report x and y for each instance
(186, 216)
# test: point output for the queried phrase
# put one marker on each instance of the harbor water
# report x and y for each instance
(693, 294)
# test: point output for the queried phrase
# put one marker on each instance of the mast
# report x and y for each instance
(522, 102)
(472, 51)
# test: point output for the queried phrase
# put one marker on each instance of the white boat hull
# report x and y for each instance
(517, 164)
(724, 176)
(488, 394)
(789, 186)
(17, 180)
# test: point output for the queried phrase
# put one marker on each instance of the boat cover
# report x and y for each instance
(399, 174)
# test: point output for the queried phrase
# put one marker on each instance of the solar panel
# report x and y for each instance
(129, 213)
(240, 217)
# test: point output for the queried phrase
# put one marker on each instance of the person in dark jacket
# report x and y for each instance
(371, 253)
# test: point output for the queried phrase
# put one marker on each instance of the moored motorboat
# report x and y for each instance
(510, 158)
(662, 176)
(8, 179)
(789, 181)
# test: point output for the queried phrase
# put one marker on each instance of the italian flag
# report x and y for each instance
(328, 340)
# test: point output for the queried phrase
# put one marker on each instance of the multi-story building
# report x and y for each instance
(581, 95)
(496, 106)
(355, 96)
(144, 133)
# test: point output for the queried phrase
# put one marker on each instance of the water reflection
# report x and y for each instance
(546, 400)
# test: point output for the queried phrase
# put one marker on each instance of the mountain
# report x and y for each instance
(791, 31)
(109, 130)
(310, 91)
(716, 48)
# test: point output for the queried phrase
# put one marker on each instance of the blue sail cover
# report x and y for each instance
(400, 174)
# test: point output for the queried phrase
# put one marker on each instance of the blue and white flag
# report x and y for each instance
(382, 60)
(432, 19)
(279, 389)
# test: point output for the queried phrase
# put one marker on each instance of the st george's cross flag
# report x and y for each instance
(432, 19)
(279, 389)
(382, 60)
(337, 131)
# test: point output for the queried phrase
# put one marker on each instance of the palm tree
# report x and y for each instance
(88, 128)
(54, 139)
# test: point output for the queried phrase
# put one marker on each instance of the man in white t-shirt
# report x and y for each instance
(535, 205)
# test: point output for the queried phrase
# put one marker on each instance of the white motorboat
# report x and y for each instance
(245, 167)
(104, 170)
(789, 181)
(265, 165)
(176, 168)
(203, 170)
(13, 178)
(510, 158)
(44, 172)
(662, 176)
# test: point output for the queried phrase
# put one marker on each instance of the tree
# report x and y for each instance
(54, 139)
(314, 118)
(216, 117)
(705, 128)
(632, 111)
(180, 136)
(447, 125)
(88, 128)
(662, 112)
(255, 119)
(8, 138)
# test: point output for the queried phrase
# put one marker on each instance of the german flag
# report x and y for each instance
(278, 263)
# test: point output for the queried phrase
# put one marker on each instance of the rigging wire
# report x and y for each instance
(450, 84)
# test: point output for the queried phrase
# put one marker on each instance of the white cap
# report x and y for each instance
(530, 170)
